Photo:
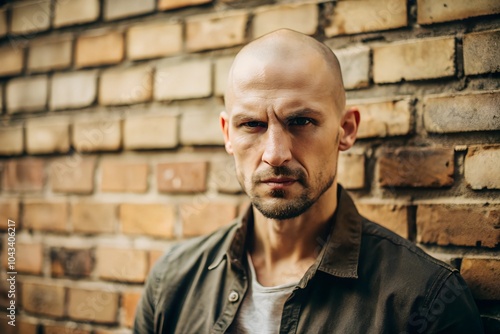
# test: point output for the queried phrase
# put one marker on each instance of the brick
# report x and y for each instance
(3, 23)
(48, 135)
(93, 218)
(172, 4)
(71, 262)
(416, 167)
(9, 210)
(351, 170)
(124, 265)
(73, 90)
(223, 176)
(355, 66)
(99, 49)
(222, 68)
(91, 305)
(205, 217)
(482, 276)
(190, 79)
(126, 86)
(153, 257)
(25, 327)
(219, 30)
(43, 299)
(77, 177)
(480, 52)
(26, 175)
(102, 134)
(12, 140)
(154, 40)
(68, 328)
(120, 176)
(12, 60)
(75, 12)
(452, 113)
(200, 125)
(118, 9)
(481, 167)
(299, 17)
(391, 216)
(433, 11)
(151, 219)
(130, 300)
(45, 216)
(182, 177)
(28, 258)
(27, 94)
(428, 58)
(31, 17)
(150, 132)
(371, 15)
(50, 54)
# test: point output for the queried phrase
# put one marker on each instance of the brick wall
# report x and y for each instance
(110, 149)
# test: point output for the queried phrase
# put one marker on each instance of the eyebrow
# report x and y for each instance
(306, 112)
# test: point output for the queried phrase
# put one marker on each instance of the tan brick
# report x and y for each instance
(75, 12)
(414, 60)
(26, 175)
(27, 94)
(459, 224)
(48, 135)
(200, 125)
(124, 265)
(3, 23)
(218, 30)
(122, 176)
(71, 262)
(45, 216)
(12, 60)
(152, 219)
(93, 218)
(222, 68)
(30, 17)
(481, 167)
(190, 79)
(150, 132)
(126, 86)
(223, 176)
(299, 17)
(117, 9)
(171, 4)
(416, 167)
(12, 140)
(351, 170)
(355, 66)
(73, 90)
(182, 177)
(391, 216)
(481, 52)
(97, 306)
(9, 210)
(102, 134)
(153, 257)
(75, 178)
(432, 11)
(50, 54)
(99, 49)
(28, 258)
(43, 298)
(26, 327)
(205, 217)
(154, 40)
(67, 328)
(452, 113)
(482, 276)
(130, 300)
(370, 15)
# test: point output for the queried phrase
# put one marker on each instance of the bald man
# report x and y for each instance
(301, 259)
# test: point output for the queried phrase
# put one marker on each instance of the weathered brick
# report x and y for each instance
(416, 167)
(120, 176)
(43, 298)
(117, 9)
(45, 216)
(459, 224)
(12, 60)
(99, 48)
(28, 258)
(92, 217)
(27, 94)
(50, 54)
(355, 66)
(152, 219)
(171, 4)
(205, 217)
(222, 68)
(75, 178)
(48, 135)
(9, 210)
(75, 12)
(126, 86)
(482, 276)
(371, 15)
(432, 11)
(150, 132)
(481, 52)
(12, 140)
(130, 300)
(97, 306)
(67, 328)
(414, 60)
(120, 264)
(3, 23)
(200, 125)
(190, 79)
(24, 175)
(97, 135)
(73, 90)
(299, 17)
(391, 216)
(182, 177)
(154, 40)
(30, 17)
(453, 113)
(216, 30)
(71, 262)
(351, 170)
(223, 176)
(481, 167)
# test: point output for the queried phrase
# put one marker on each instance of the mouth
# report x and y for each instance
(279, 182)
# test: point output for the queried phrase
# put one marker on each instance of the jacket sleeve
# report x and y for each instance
(145, 313)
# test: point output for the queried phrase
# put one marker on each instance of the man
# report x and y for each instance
(301, 260)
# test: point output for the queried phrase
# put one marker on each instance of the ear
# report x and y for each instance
(224, 123)
(349, 123)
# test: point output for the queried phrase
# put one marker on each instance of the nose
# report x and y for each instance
(277, 149)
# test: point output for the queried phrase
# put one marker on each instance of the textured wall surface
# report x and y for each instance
(110, 148)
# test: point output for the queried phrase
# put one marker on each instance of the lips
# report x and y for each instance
(279, 180)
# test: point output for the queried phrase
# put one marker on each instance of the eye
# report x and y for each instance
(254, 124)
(300, 121)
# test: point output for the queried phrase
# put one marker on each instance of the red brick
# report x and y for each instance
(49, 135)
(75, 12)
(171, 4)
(100, 134)
(94, 218)
(205, 217)
(45, 216)
(126, 86)
(150, 131)
(12, 60)
(182, 177)
(481, 167)
(30, 17)
(432, 11)
(26, 175)
(130, 300)
(78, 178)
(91, 305)
(156, 220)
(351, 170)
(117, 9)
(99, 49)
(43, 299)
(480, 52)
(9, 210)
(71, 262)
(12, 140)
(391, 216)
(50, 53)
(120, 176)
(154, 40)
(120, 264)
(28, 258)
(482, 276)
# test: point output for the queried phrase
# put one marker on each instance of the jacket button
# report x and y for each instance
(233, 296)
